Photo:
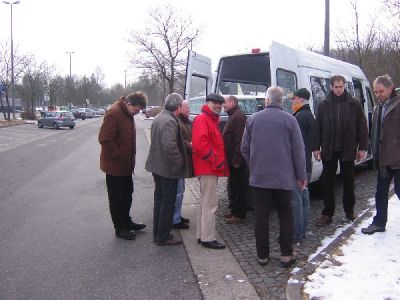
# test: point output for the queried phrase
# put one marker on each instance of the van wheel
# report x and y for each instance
(55, 126)
(71, 127)
(40, 125)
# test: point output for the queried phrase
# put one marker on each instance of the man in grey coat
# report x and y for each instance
(274, 151)
(167, 163)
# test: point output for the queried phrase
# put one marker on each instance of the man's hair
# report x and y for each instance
(337, 78)
(385, 80)
(234, 99)
(138, 98)
(275, 95)
(173, 101)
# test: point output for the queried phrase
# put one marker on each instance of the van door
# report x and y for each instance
(198, 78)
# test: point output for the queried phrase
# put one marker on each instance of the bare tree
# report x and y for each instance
(21, 62)
(33, 85)
(393, 6)
(355, 47)
(162, 44)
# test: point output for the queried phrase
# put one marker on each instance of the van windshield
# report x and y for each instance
(244, 75)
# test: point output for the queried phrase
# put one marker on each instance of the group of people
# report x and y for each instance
(268, 156)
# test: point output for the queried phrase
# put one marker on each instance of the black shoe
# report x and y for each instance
(287, 264)
(213, 245)
(262, 262)
(184, 220)
(371, 229)
(136, 226)
(125, 234)
(169, 242)
(180, 225)
(351, 217)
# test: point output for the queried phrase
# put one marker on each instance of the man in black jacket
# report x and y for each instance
(342, 134)
(301, 198)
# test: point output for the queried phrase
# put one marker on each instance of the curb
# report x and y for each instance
(296, 282)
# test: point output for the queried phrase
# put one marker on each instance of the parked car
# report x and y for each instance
(152, 111)
(78, 114)
(88, 112)
(99, 111)
(56, 119)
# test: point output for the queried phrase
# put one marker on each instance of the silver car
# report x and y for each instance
(57, 119)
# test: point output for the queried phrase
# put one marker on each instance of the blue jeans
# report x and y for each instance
(301, 211)
(179, 200)
(382, 195)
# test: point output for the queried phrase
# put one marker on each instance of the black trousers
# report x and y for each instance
(238, 190)
(264, 200)
(328, 184)
(120, 190)
(164, 206)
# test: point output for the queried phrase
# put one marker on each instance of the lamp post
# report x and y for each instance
(125, 80)
(70, 54)
(12, 56)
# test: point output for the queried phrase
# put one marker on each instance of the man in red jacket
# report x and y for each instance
(209, 162)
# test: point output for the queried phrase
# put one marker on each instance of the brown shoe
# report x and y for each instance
(323, 221)
(235, 220)
(228, 215)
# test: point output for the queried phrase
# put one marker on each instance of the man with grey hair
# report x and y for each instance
(167, 162)
(274, 151)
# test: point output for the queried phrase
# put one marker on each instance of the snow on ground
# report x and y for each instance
(369, 267)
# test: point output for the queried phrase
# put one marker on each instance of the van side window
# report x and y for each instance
(287, 80)
(350, 89)
(358, 92)
(198, 86)
(320, 87)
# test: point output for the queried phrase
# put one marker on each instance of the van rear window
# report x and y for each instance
(244, 74)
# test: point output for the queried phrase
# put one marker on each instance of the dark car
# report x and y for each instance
(248, 104)
(56, 119)
(78, 114)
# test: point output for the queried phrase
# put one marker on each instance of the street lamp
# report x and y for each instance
(70, 53)
(12, 56)
(125, 80)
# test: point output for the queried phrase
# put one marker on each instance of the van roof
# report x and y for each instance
(304, 58)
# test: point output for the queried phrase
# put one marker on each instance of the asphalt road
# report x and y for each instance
(56, 236)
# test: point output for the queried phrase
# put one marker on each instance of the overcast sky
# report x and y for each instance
(97, 31)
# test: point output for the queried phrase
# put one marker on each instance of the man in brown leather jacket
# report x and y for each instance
(117, 137)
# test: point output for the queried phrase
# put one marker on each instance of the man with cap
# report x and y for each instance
(301, 198)
(209, 163)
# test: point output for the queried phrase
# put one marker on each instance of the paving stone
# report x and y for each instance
(270, 281)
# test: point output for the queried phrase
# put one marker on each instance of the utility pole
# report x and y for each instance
(326, 40)
(70, 64)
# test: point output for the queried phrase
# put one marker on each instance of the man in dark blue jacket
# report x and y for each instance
(301, 198)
